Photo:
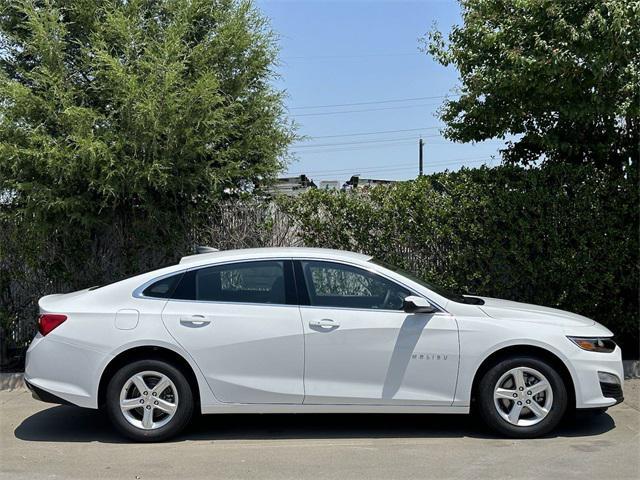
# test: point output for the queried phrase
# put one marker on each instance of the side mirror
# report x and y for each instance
(415, 304)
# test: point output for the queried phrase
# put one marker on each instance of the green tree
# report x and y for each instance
(563, 77)
(133, 113)
(122, 122)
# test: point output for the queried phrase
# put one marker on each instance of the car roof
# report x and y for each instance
(271, 252)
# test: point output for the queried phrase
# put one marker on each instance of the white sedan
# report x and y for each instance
(302, 330)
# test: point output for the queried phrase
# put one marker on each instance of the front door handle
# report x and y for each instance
(194, 321)
(324, 323)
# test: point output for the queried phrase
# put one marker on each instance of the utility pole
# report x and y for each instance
(421, 148)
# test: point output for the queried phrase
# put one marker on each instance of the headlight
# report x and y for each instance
(603, 345)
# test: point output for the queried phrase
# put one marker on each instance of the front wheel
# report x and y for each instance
(522, 397)
(149, 400)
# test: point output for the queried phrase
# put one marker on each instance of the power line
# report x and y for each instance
(337, 112)
(448, 143)
(351, 146)
(365, 146)
(365, 55)
(370, 102)
(362, 142)
(376, 133)
(354, 148)
(382, 132)
(365, 142)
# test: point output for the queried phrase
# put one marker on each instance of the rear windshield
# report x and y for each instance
(454, 297)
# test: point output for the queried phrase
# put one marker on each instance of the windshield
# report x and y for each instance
(455, 297)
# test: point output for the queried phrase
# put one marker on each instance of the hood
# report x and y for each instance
(508, 310)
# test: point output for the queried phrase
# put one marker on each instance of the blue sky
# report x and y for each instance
(359, 52)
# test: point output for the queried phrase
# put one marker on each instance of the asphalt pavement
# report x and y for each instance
(39, 440)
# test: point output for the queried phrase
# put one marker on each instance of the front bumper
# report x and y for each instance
(612, 390)
(590, 391)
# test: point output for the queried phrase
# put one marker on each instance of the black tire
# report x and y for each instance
(489, 412)
(175, 425)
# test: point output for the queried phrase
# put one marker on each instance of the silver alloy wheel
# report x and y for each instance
(149, 400)
(523, 396)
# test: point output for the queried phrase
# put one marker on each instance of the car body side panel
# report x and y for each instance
(248, 353)
(380, 357)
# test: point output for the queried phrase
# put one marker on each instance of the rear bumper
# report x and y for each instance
(61, 372)
(44, 396)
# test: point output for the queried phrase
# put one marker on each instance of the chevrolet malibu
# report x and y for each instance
(300, 330)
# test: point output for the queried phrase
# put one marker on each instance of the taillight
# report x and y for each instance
(49, 321)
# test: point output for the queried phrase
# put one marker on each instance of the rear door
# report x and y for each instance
(241, 324)
(362, 348)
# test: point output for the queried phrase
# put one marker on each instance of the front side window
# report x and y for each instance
(336, 285)
(247, 282)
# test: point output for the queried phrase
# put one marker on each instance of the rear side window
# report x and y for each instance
(247, 282)
(163, 288)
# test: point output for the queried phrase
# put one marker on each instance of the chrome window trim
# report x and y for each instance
(439, 312)
(137, 293)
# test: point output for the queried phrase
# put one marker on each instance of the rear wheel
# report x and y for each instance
(149, 400)
(522, 397)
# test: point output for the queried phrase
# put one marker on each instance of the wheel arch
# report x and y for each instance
(529, 350)
(146, 352)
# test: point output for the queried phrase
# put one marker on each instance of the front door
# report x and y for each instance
(362, 348)
(241, 324)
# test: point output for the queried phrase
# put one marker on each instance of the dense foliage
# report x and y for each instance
(563, 77)
(133, 117)
(122, 124)
(560, 236)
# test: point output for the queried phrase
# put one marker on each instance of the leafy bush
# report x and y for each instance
(55, 264)
(122, 125)
(560, 236)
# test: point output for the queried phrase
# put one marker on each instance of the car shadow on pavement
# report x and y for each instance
(73, 424)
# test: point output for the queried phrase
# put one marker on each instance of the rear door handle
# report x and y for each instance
(324, 323)
(194, 321)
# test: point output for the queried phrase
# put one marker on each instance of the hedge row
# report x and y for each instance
(560, 236)
(564, 237)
